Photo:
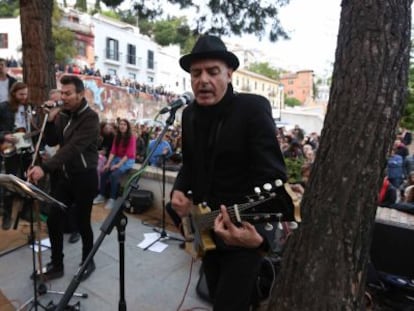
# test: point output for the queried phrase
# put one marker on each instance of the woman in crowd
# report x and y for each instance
(121, 159)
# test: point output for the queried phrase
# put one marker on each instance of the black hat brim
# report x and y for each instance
(228, 57)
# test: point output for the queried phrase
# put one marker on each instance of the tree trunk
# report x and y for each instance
(325, 262)
(38, 48)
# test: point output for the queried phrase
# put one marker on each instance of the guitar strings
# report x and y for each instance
(206, 221)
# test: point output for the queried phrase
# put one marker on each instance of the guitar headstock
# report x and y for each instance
(268, 190)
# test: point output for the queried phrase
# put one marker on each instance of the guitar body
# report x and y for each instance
(198, 236)
(198, 225)
(24, 141)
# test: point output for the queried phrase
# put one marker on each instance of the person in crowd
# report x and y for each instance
(106, 138)
(162, 152)
(388, 194)
(395, 168)
(121, 160)
(6, 81)
(141, 147)
(408, 164)
(15, 116)
(400, 148)
(75, 128)
(229, 147)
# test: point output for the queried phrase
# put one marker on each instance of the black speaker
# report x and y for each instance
(392, 249)
(139, 201)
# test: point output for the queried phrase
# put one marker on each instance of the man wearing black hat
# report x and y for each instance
(229, 147)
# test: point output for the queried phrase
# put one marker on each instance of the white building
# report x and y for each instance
(120, 50)
(10, 38)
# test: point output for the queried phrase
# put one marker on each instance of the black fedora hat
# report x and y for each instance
(212, 47)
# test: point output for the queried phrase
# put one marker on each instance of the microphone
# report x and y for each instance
(56, 104)
(183, 100)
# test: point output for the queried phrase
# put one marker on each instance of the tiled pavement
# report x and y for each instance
(153, 281)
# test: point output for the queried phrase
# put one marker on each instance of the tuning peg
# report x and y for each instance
(278, 183)
(279, 217)
(267, 187)
(257, 190)
(204, 205)
(268, 227)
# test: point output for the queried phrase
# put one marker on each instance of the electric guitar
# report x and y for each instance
(24, 141)
(197, 226)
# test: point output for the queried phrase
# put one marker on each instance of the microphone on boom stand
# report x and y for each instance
(183, 100)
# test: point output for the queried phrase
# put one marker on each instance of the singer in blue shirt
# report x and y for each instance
(163, 149)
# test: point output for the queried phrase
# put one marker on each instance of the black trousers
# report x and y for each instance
(231, 277)
(77, 192)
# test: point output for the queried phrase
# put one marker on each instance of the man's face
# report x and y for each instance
(209, 80)
(70, 98)
(21, 96)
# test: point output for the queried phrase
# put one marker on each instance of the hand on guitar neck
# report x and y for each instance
(244, 234)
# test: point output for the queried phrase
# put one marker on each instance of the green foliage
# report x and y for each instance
(294, 170)
(111, 14)
(258, 17)
(407, 120)
(171, 31)
(292, 102)
(81, 5)
(9, 8)
(265, 69)
(112, 3)
(63, 39)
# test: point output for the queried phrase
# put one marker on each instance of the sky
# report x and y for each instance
(313, 28)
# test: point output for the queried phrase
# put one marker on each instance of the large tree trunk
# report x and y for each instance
(38, 48)
(325, 262)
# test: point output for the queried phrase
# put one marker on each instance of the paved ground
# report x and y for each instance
(153, 281)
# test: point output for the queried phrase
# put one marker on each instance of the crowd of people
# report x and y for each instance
(133, 86)
(226, 146)
(397, 190)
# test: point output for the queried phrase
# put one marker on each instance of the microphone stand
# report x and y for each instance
(115, 218)
(163, 234)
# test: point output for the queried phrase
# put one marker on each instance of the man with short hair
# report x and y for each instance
(6, 81)
(75, 127)
(229, 148)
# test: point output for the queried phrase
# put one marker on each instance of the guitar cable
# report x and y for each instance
(186, 291)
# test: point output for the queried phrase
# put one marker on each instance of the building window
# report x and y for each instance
(4, 44)
(81, 47)
(255, 85)
(131, 56)
(150, 59)
(132, 76)
(290, 82)
(112, 49)
(150, 80)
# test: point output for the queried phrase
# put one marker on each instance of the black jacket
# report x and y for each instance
(77, 134)
(228, 149)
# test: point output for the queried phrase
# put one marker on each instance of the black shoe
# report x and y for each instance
(6, 224)
(50, 272)
(88, 271)
(74, 237)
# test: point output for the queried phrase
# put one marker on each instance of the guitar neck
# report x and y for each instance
(206, 221)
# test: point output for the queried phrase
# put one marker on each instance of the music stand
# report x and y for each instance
(30, 192)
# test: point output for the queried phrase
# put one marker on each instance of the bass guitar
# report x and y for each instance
(23, 142)
(197, 226)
